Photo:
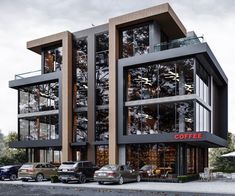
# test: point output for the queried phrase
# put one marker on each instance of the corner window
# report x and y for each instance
(52, 59)
(134, 41)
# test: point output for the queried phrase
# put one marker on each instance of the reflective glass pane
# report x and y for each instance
(81, 73)
(102, 69)
(135, 41)
(52, 60)
(160, 80)
(102, 155)
(102, 125)
(80, 126)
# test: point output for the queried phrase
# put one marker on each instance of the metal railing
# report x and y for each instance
(178, 43)
(27, 74)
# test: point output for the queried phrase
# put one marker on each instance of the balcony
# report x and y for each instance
(27, 74)
(178, 43)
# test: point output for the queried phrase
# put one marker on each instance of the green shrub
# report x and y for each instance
(54, 179)
(187, 178)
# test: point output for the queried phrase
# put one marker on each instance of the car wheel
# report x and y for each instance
(39, 177)
(120, 180)
(2, 178)
(100, 182)
(82, 179)
(138, 178)
(13, 177)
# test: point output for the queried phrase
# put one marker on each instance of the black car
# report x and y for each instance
(9, 172)
(76, 171)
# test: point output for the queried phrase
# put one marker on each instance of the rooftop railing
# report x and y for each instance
(178, 43)
(27, 74)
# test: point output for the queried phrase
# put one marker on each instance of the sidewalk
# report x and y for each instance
(143, 188)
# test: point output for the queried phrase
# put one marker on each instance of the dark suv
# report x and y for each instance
(9, 172)
(76, 171)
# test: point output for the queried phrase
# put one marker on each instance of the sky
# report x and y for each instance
(25, 20)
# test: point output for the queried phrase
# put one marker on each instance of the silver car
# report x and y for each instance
(116, 173)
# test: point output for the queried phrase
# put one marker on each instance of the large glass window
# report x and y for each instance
(102, 155)
(191, 160)
(102, 69)
(80, 154)
(42, 128)
(159, 118)
(52, 59)
(202, 84)
(134, 41)
(80, 126)
(162, 156)
(81, 73)
(37, 98)
(203, 118)
(161, 80)
(102, 125)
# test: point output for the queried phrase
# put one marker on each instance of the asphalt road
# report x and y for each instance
(197, 188)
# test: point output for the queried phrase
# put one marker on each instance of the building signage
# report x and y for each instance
(185, 136)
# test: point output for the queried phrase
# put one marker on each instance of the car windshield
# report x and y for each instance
(109, 167)
(68, 165)
(26, 166)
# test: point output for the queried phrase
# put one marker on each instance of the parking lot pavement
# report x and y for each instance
(92, 188)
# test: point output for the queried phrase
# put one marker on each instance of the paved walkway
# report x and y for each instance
(212, 188)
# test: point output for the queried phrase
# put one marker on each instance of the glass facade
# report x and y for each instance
(80, 126)
(39, 128)
(52, 59)
(81, 73)
(161, 80)
(80, 154)
(134, 41)
(203, 118)
(163, 156)
(102, 69)
(42, 97)
(102, 86)
(202, 84)
(102, 155)
(102, 125)
(80, 91)
(159, 118)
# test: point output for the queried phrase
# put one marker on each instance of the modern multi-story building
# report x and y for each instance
(139, 89)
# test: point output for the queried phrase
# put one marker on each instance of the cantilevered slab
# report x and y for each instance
(37, 44)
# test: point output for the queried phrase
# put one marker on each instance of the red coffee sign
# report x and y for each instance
(184, 136)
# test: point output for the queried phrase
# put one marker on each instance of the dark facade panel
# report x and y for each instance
(36, 144)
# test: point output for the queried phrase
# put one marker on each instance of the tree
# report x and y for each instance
(223, 163)
(12, 155)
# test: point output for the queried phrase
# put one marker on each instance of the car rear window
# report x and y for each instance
(67, 165)
(109, 167)
(26, 166)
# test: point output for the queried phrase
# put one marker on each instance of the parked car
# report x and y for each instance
(9, 172)
(36, 171)
(116, 173)
(76, 171)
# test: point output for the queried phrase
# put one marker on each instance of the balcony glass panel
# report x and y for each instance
(52, 59)
(37, 98)
(159, 118)
(134, 41)
(161, 80)
(80, 126)
(39, 128)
